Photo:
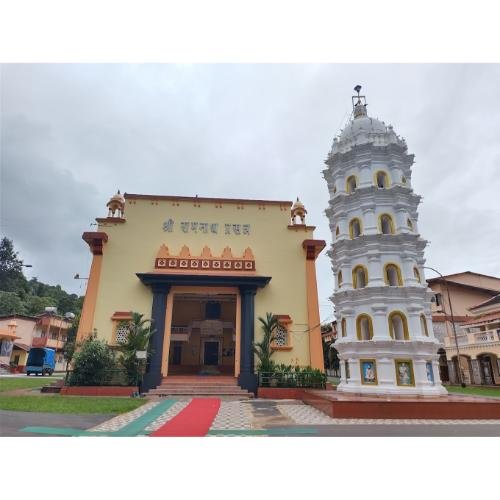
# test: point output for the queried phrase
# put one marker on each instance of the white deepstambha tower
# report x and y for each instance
(383, 307)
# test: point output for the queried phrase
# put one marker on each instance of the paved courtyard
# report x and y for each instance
(233, 418)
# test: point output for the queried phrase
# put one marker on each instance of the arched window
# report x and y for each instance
(386, 224)
(351, 184)
(354, 228)
(337, 231)
(409, 223)
(392, 275)
(334, 189)
(339, 278)
(343, 327)
(381, 179)
(364, 327)
(423, 325)
(403, 180)
(359, 277)
(416, 273)
(398, 326)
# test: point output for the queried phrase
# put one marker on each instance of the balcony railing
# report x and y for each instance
(46, 342)
(473, 338)
(180, 333)
(311, 379)
(488, 336)
(179, 329)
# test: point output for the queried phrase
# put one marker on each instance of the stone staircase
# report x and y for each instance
(200, 386)
(4, 369)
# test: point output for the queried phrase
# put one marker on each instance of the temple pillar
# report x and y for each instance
(95, 241)
(153, 375)
(313, 249)
(247, 378)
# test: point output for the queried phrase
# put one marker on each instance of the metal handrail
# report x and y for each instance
(305, 379)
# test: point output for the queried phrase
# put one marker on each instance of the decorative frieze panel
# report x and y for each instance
(206, 261)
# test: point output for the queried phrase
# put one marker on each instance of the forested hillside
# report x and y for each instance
(21, 296)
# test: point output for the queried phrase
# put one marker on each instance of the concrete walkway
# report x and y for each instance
(239, 418)
(12, 422)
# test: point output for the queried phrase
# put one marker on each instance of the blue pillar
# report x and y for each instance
(153, 377)
(247, 378)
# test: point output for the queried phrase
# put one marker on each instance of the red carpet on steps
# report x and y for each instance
(194, 421)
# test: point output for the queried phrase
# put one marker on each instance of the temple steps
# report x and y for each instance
(205, 386)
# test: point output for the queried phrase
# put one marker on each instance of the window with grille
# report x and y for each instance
(121, 334)
(281, 336)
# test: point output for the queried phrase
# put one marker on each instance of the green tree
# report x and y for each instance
(33, 295)
(62, 300)
(93, 363)
(36, 305)
(138, 337)
(11, 269)
(71, 345)
(263, 348)
(10, 303)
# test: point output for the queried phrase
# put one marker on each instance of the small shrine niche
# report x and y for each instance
(298, 211)
(116, 206)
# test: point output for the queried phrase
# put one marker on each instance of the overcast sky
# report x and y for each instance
(72, 134)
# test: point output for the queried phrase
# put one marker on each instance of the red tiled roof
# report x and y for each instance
(488, 302)
(446, 276)
(24, 347)
(441, 318)
(239, 201)
(487, 318)
(469, 286)
(14, 316)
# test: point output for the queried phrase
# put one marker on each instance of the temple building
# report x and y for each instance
(475, 318)
(385, 343)
(204, 270)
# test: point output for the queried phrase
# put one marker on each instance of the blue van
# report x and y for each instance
(41, 360)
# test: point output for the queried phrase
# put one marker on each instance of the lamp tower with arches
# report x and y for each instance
(386, 344)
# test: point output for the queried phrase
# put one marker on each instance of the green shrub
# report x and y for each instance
(138, 338)
(292, 376)
(263, 348)
(93, 364)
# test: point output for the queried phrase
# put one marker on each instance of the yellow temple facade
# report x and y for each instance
(204, 270)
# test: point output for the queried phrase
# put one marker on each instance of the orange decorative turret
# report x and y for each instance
(298, 210)
(116, 204)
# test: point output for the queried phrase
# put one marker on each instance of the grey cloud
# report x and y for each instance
(256, 131)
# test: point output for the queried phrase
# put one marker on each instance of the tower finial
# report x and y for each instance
(359, 107)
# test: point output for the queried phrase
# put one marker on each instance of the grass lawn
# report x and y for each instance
(14, 383)
(475, 391)
(69, 404)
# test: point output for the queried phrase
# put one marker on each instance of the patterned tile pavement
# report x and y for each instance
(168, 415)
(305, 415)
(245, 416)
(233, 415)
(116, 423)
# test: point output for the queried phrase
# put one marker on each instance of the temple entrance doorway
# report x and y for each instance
(203, 334)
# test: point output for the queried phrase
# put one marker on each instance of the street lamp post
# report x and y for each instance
(460, 377)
